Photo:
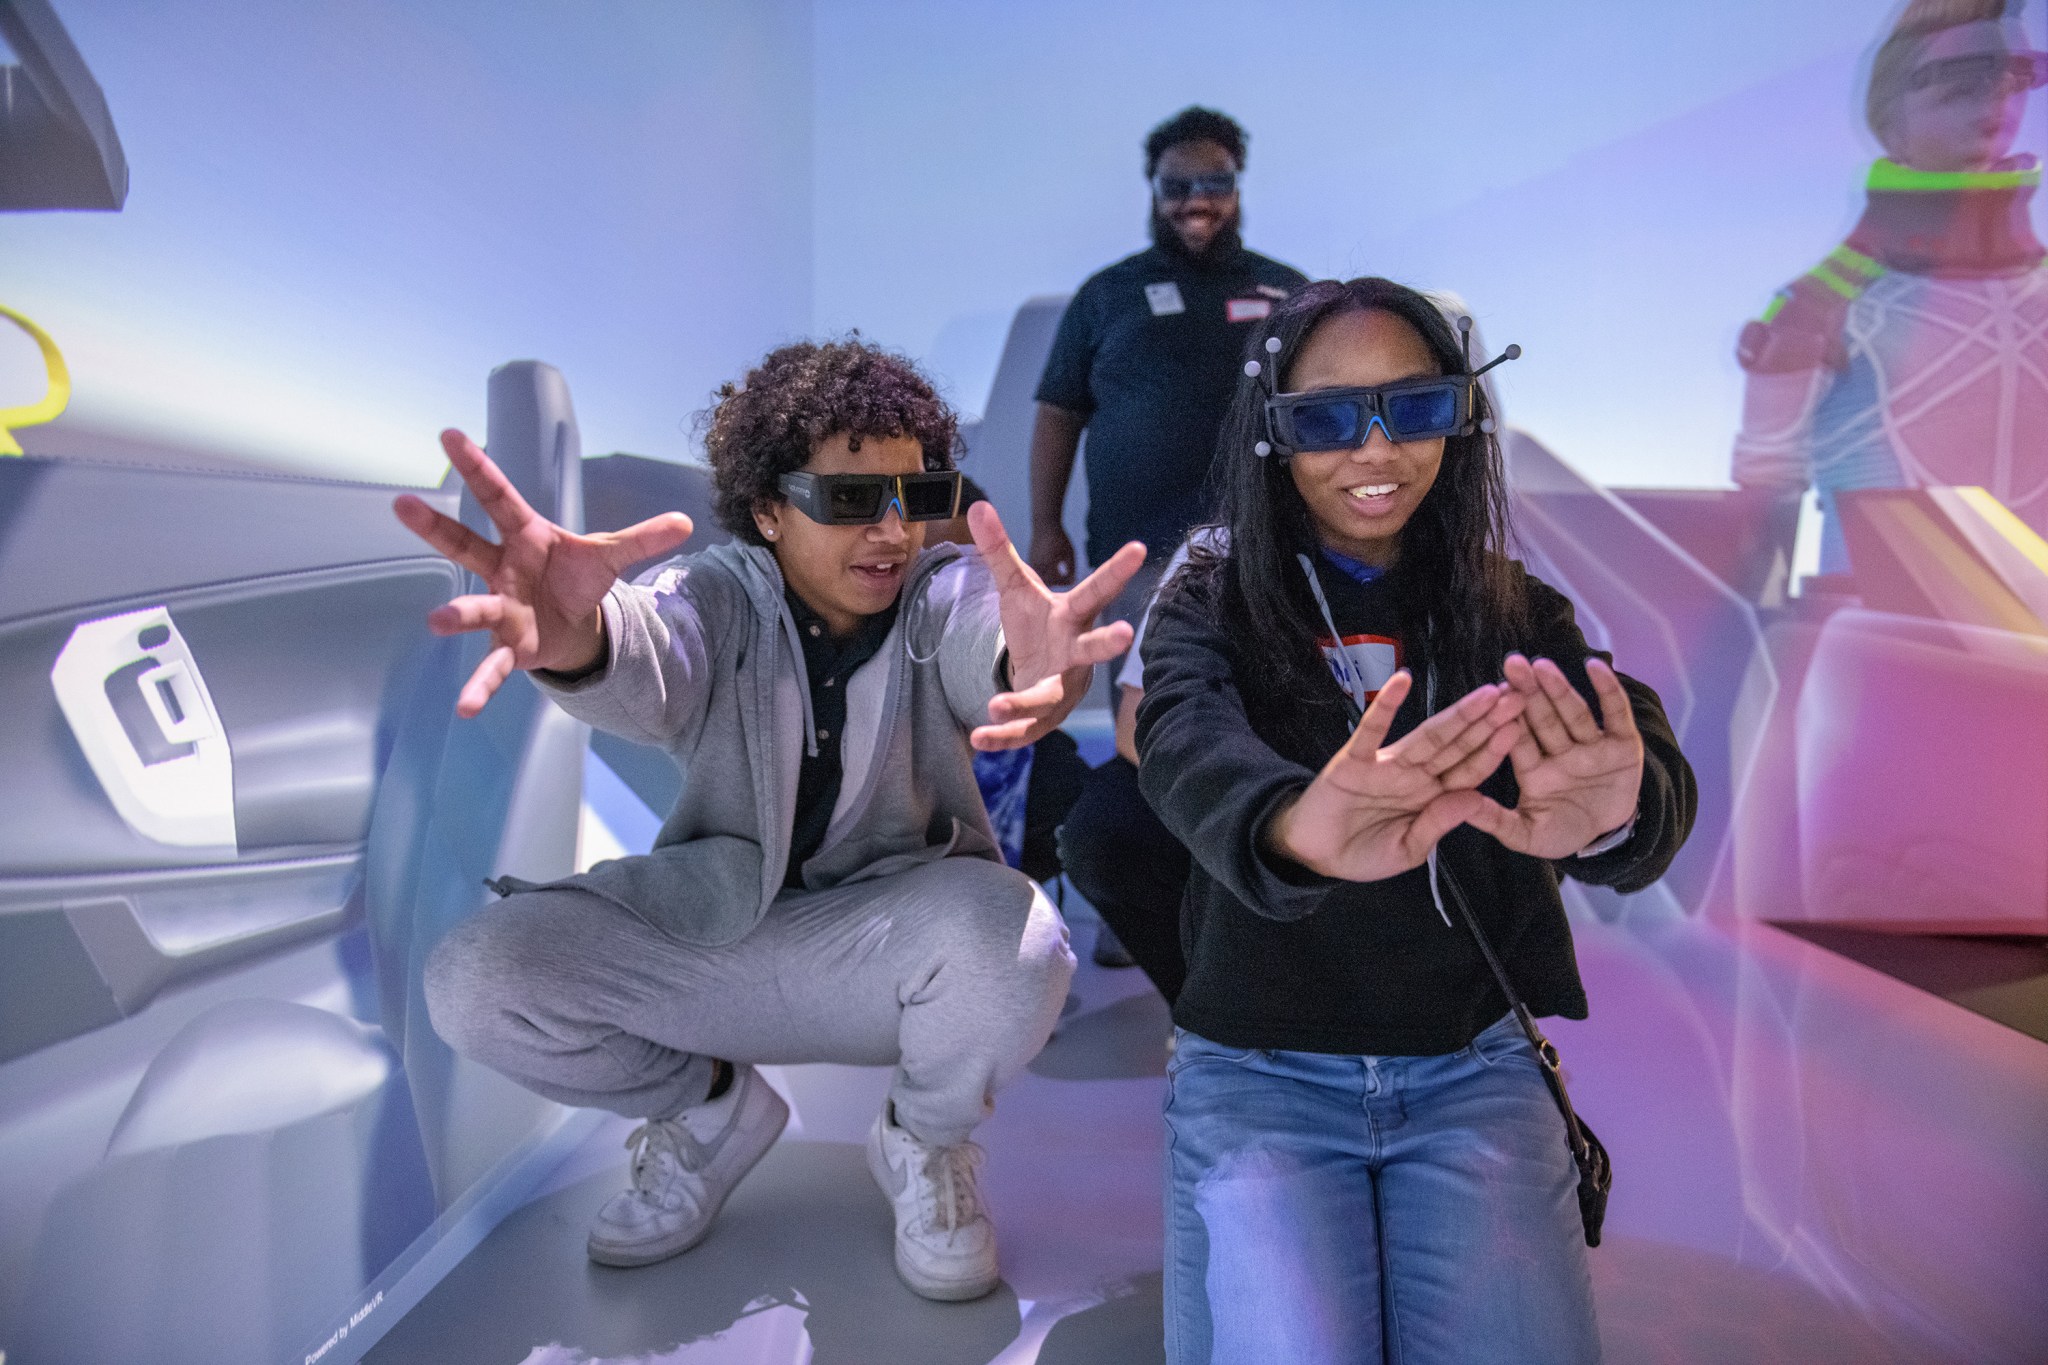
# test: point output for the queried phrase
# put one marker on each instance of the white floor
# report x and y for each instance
(798, 1270)
(799, 1267)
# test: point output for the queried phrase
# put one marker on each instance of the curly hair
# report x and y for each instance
(1195, 124)
(799, 395)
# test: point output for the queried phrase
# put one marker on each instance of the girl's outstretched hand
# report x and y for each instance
(1373, 812)
(1580, 774)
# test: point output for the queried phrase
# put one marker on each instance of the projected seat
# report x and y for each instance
(240, 816)
(58, 147)
(999, 445)
(1669, 621)
(1920, 729)
(619, 491)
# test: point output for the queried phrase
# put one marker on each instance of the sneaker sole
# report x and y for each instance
(923, 1285)
(944, 1291)
(745, 1155)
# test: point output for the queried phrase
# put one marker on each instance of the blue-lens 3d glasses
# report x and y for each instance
(1341, 419)
(864, 499)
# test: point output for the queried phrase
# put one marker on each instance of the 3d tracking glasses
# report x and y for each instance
(1175, 189)
(1341, 419)
(1983, 75)
(864, 499)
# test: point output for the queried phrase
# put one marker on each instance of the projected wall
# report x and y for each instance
(340, 216)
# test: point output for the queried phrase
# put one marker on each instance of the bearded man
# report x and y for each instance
(1146, 358)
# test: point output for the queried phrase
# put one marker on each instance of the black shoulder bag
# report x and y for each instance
(1596, 1173)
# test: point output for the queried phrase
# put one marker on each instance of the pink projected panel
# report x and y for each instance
(1922, 753)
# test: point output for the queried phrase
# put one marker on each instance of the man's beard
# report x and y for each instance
(1229, 237)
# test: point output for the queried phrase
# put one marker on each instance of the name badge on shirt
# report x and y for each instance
(1362, 663)
(1248, 310)
(1164, 299)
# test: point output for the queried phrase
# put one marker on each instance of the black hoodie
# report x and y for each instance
(1279, 957)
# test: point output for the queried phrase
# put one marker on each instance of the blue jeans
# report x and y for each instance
(1347, 1209)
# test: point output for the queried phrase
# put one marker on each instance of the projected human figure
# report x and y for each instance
(1916, 352)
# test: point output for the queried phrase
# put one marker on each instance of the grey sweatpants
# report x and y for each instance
(953, 973)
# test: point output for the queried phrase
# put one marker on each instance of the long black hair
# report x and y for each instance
(1462, 602)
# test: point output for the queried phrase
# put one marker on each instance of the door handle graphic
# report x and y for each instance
(137, 704)
(170, 690)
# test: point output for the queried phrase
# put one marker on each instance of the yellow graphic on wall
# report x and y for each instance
(54, 398)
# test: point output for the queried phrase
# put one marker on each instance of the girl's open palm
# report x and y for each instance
(1373, 811)
(1580, 774)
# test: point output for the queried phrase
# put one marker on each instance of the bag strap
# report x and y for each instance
(1546, 1052)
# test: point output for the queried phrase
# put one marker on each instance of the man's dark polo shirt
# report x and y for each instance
(1153, 371)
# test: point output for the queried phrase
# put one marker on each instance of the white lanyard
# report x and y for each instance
(1352, 683)
(1355, 690)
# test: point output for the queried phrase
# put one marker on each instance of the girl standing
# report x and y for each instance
(1355, 702)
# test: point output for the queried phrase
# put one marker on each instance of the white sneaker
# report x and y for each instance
(683, 1169)
(945, 1243)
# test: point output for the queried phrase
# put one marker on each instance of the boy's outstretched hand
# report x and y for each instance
(1052, 637)
(546, 583)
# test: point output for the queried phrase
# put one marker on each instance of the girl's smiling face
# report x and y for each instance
(1361, 498)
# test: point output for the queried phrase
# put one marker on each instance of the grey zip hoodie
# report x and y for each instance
(706, 664)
